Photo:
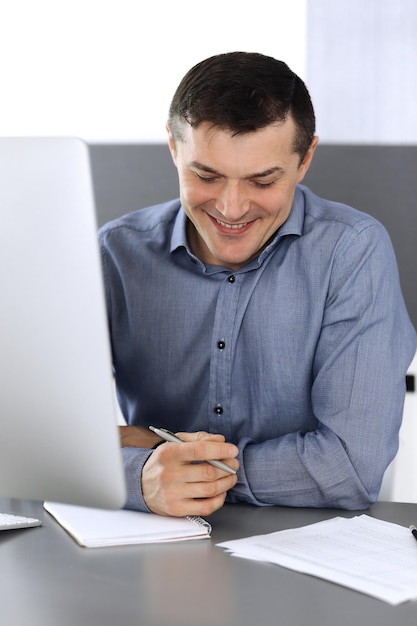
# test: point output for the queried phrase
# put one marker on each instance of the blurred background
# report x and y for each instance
(105, 70)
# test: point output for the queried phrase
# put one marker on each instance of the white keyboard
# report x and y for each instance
(11, 522)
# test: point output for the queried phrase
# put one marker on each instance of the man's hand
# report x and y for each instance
(137, 437)
(176, 482)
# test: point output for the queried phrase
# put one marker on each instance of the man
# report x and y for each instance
(263, 324)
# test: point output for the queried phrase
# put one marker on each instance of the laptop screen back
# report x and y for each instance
(58, 431)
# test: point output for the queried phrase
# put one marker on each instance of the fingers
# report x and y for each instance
(176, 480)
(189, 459)
(200, 435)
(187, 498)
(187, 506)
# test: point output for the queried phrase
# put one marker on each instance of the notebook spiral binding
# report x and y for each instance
(196, 519)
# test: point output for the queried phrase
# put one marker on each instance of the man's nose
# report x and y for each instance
(232, 202)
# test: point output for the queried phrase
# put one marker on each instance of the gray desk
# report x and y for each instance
(47, 580)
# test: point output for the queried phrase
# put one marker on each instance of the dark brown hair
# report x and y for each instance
(243, 92)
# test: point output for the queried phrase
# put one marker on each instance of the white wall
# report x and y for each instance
(362, 70)
(106, 70)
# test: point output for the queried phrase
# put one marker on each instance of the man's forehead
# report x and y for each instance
(218, 149)
(209, 130)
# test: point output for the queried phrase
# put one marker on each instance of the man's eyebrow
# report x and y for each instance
(268, 172)
(210, 170)
(204, 168)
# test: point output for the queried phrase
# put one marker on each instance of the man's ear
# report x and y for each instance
(307, 160)
(171, 143)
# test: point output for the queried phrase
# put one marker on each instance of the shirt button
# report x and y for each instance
(221, 345)
(231, 278)
(218, 409)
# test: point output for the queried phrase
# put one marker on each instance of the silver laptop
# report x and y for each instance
(58, 419)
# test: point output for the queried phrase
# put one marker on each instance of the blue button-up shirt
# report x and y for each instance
(299, 357)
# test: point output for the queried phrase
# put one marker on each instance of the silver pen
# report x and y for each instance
(169, 436)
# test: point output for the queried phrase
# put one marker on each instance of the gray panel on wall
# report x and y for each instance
(127, 177)
(379, 180)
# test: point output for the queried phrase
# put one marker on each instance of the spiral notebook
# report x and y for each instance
(94, 528)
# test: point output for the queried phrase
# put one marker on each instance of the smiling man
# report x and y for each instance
(236, 190)
(262, 323)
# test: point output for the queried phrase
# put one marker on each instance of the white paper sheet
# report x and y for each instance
(372, 556)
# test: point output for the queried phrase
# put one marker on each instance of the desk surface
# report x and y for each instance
(47, 579)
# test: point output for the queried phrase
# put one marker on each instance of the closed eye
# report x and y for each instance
(263, 185)
(206, 179)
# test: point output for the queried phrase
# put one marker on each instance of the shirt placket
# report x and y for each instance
(222, 354)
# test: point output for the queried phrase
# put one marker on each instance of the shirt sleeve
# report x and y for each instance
(357, 394)
(134, 459)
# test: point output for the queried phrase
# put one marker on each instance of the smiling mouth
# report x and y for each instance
(232, 226)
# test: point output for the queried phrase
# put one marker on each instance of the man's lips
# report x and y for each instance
(231, 228)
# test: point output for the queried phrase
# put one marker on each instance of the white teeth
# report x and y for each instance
(231, 226)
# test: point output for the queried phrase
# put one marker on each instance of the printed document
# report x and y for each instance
(372, 556)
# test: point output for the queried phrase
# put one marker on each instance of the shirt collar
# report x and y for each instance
(292, 226)
(179, 238)
(179, 233)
